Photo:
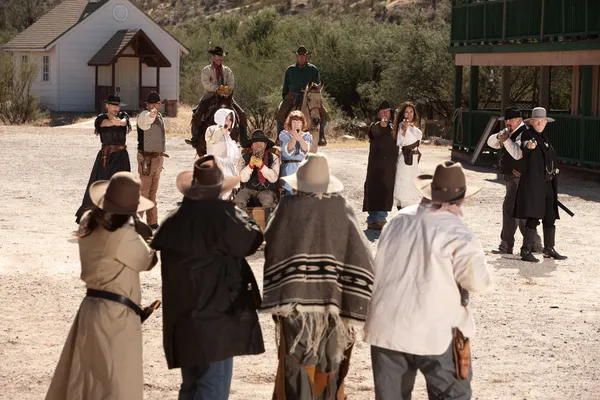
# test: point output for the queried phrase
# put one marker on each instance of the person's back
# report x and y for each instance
(421, 258)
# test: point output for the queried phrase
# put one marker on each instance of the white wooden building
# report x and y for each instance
(88, 49)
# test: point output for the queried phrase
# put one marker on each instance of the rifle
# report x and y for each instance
(565, 209)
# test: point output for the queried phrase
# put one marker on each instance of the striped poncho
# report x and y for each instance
(317, 259)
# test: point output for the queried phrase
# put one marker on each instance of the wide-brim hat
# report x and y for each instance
(313, 176)
(205, 181)
(114, 100)
(385, 105)
(539, 112)
(448, 184)
(259, 136)
(120, 194)
(153, 97)
(302, 51)
(217, 51)
(510, 113)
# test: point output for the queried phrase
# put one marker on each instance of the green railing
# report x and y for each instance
(493, 21)
(576, 139)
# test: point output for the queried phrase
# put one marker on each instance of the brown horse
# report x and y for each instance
(239, 133)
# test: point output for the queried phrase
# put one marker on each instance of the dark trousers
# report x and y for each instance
(395, 372)
(208, 382)
(509, 223)
(549, 217)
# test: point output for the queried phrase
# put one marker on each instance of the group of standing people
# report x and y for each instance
(528, 163)
(393, 162)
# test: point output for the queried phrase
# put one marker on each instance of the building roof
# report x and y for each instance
(53, 25)
(141, 43)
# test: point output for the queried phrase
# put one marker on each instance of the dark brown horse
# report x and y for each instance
(239, 133)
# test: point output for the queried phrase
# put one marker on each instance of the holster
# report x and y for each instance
(108, 150)
(409, 151)
(462, 354)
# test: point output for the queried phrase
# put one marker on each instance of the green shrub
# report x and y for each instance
(17, 104)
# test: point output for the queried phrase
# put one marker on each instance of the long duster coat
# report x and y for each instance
(381, 169)
(102, 357)
(210, 296)
(116, 162)
(531, 194)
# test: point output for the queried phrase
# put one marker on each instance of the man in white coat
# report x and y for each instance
(425, 252)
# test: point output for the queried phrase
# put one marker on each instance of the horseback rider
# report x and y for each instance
(217, 80)
(297, 76)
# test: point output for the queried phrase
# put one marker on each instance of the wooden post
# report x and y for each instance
(157, 77)
(543, 11)
(458, 83)
(586, 90)
(113, 77)
(506, 84)
(474, 87)
(545, 87)
(96, 102)
(504, 22)
(575, 90)
(595, 91)
(140, 84)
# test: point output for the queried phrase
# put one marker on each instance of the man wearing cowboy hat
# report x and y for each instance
(318, 277)
(508, 141)
(210, 295)
(537, 196)
(151, 151)
(296, 77)
(259, 172)
(424, 253)
(381, 169)
(216, 79)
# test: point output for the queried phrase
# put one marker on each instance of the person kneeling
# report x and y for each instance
(259, 172)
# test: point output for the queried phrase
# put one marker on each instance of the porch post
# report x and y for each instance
(113, 78)
(474, 87)
(545, 88)
(96, 102)
(575, 90)
(586, 90)
(458, 83)
(141, 85)
(506, 80)
(595, 91)
(157, 78)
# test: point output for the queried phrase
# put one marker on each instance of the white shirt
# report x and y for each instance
(412, 135)
(421, 257)
(512, 147)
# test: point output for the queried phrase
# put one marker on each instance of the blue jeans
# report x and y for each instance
(377, 216)
(208, 382)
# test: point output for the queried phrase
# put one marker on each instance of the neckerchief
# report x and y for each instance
(218, 71)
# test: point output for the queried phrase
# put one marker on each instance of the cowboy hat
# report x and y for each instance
(217, 51)
(447, 184)
(259, 136)
(153, 97)
(205, 181)
(385, 105)
(313, 176)
(301, 51)
(114, 100)
(539, 112)
(120, 195)
(510, 113)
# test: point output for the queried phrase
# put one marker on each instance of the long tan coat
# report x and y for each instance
(102, 357)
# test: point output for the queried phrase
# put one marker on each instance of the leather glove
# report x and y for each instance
(143, 229)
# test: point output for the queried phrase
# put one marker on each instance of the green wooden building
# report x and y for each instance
(535, 33)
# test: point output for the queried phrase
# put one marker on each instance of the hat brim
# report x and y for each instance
(97, 192)
(184, 185)
(423, 185)
(215, 53)
(269, 142)
(298, 54)
(334, 186)
(112, 103)
(528, 120)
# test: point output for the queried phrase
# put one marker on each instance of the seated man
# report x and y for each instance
(259, 172)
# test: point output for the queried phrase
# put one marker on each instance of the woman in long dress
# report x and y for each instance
(407, 167)
(112, 127)
(220, 144)
(295, 144)
(102, 357)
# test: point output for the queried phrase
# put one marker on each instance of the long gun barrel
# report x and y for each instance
(565, 209)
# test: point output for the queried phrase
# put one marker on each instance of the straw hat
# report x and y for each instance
(205, 181)
(313, 176)
(447, 184)
(120, 195)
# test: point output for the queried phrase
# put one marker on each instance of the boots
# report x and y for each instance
(322, 141)
(549, 236)
(528, 240)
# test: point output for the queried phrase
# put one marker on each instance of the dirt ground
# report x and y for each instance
(538, 325)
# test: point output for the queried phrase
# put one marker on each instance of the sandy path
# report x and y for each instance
(539, 326)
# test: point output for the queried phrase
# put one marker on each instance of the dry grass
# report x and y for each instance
(180, 125)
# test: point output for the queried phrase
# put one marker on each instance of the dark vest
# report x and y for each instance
(507, 163)
(253, 182)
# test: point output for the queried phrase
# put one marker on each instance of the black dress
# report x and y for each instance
(117, 161)
(381, 169)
